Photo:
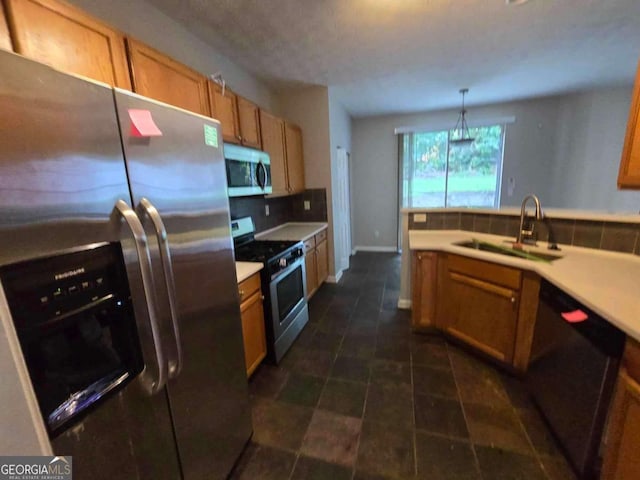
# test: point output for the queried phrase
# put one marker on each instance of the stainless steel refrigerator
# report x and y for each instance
(78, 173)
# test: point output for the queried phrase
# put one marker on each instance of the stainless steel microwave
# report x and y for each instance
(248, 171)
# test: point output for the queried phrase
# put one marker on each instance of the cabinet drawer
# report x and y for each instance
(309, 244)
(490, 272)
(247, 287)
(632, 358)
(320, 237)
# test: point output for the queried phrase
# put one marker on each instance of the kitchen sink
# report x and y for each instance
(512, 252)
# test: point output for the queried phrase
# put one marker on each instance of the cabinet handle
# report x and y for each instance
(241, 292)
(513, 299)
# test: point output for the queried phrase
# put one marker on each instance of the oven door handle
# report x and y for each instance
(144, 261)
(147, 208)
(291, 267)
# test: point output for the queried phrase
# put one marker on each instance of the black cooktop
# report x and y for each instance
(262, 250)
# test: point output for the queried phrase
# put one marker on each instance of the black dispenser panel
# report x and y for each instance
(74, 319)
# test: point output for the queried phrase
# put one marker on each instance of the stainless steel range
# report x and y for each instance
(284, 284)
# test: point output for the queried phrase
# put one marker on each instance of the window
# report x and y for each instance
(438, 173)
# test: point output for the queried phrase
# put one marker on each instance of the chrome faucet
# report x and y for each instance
(528, 235)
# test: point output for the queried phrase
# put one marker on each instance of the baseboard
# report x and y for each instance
(375, 249)
(334, 278)
(404, 304)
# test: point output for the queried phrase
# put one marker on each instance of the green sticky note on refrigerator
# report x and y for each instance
(211, 136)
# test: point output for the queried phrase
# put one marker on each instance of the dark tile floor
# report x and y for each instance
(361, 397)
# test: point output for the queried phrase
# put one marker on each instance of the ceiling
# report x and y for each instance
(390, 56)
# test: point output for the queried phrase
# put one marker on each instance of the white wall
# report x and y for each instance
(340, 136)
(151, 26)
(309, 108)
(566, 149)
(591, 128)
(528, 152)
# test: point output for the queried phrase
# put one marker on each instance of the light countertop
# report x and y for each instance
(606, 282)
(245, 269)
(296, 231)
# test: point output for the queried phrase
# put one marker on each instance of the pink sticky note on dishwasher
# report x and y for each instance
(575, 316)
(142, 124)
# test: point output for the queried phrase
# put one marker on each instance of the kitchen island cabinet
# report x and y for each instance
(157, 76)
(490, 307)
(253, 328)
(68, 39)
(5, 37)
(225, 108)
(629, 174)
(425, 292)
(249, 121)
(621, 460)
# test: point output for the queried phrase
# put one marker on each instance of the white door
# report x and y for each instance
(342, 210)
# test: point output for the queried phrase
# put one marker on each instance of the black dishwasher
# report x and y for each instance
(574, 362)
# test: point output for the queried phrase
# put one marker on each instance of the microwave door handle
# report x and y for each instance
(262, 184)
(144, 260)
(165, 258)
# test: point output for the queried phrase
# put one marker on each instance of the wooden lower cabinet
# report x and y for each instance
(322, 261)
(621, 459)
(482, 314)
(488, 306)
(316, 262)
(425, 293)
(60, 35)
(253, 329)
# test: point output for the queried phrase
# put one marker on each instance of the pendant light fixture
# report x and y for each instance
(461, 135)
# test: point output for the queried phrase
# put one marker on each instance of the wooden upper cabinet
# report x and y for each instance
(629, 174)
(157, 76)
(225, 108)
(66, 38)
(249, 119)
(5, 38)
(272, 129)
(295, 159)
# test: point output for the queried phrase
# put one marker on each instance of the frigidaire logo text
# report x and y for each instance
(70, 273)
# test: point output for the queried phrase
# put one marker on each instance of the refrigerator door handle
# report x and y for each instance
(144, 257)
(165, 258)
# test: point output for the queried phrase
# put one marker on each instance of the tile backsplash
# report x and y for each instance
(281, 209)
(614, 236)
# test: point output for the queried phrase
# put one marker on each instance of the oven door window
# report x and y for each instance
(290, 291)
(241, 174)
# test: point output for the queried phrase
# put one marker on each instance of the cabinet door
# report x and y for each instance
(424, 289)
(225, 108)
(481, 314)
(295, 158)
(5, 38)
(249, 119)
(621, 459)
(629, 174)
(69, 40)
(272, 129)
(322, 259)
(253, 333)
(157, 76)
(312, 272)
